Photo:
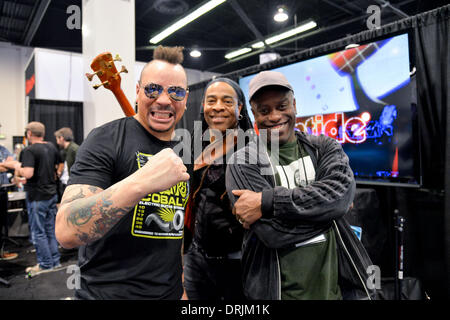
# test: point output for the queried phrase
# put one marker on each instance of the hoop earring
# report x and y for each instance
(240, 117)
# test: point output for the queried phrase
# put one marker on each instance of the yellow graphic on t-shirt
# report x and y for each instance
(160, 215)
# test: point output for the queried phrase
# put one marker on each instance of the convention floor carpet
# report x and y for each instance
(53, 285)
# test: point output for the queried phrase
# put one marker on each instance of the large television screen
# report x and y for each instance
(364, 98)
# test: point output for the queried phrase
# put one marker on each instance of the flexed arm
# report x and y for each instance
(87, 213)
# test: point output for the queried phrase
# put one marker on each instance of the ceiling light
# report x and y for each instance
(292, 32)
(281, 14)
(195, 53)
(187, 19)
(258, 45)
(236, 53)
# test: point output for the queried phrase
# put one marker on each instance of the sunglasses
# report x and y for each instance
(154, 90)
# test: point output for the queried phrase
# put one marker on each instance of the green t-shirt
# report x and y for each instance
(71, 153)
(309, 271)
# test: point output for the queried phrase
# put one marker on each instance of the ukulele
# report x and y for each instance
(103, 66)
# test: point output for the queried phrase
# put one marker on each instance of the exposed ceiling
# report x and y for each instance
(231, 25)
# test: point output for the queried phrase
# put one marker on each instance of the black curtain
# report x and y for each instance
(57, 114)
(426, 209)
(433, 72)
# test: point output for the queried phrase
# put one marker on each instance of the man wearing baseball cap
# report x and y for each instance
(38, 164)
(297, 244)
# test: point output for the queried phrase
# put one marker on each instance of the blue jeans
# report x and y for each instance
(41, 218)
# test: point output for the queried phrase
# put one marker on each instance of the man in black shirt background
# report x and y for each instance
(125, 199)
(68, 151)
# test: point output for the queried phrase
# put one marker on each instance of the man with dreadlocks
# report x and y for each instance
(124, 203)
(212, 269)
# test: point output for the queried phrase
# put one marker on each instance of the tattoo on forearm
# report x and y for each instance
(101, 209)
(93, 189)
(83, 236)
(80, 217)
(79, 195)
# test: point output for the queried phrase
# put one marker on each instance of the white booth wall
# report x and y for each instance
(13, 114)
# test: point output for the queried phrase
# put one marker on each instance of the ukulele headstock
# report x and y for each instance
(105, 69)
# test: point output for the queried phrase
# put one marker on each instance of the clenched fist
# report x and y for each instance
(162, 171)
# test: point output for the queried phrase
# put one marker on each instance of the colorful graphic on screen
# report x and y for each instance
(362, 97)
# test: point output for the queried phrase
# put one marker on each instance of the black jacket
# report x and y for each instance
(291, 216)
(217, 232)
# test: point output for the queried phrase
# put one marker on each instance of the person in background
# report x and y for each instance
(7, 163)
(37, 168)
(212, 269)
(124, 203)
(64, 139)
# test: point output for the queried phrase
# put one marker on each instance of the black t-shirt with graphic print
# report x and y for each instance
(140, 257)
(43, 157)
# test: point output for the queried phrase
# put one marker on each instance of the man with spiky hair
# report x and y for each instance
(125, 199)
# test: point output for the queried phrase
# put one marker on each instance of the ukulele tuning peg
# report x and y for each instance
(90, 76)
(124, 70)
(101, 84)
(117, 58)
